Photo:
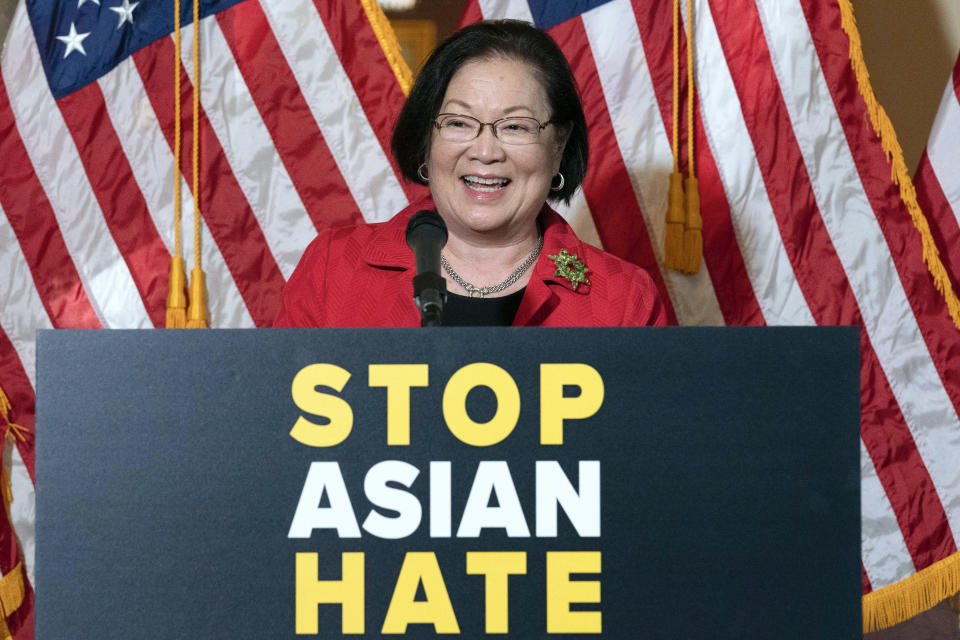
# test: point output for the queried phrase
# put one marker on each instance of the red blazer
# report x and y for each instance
(361, 276)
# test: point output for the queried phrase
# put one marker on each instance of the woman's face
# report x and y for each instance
(484, 186)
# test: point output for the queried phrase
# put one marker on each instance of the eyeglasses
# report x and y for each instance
(454, 127)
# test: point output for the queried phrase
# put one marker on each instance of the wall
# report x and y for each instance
(6, 15)
(910, 49)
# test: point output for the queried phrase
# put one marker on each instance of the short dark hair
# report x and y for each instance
(511, 39)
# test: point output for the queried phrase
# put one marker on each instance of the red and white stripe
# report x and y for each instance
(801, 224)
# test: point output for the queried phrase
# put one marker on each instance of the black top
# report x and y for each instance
(464, 311)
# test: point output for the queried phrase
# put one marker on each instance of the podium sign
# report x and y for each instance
(518, 483)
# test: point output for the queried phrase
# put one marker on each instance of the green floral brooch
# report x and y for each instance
(569, 267)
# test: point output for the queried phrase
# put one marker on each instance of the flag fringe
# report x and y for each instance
(913, 595)
(5, 405)
(12, 591)
(389, 43)
(12, 428)
(898, 167)
(11, 431)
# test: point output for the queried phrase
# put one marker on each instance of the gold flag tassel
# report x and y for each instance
(197, 311)
(673, 244)
(177, 295)
(177, 286)
(693, 223)
(692, 228)
(673, 240)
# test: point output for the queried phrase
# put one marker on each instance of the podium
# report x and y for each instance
(504, 482)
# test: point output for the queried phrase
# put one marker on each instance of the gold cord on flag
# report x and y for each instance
(898, 171)
(197, 311)
(693, 223)
(179, 314)
(177, 287)
(673, 239)
(683, 241)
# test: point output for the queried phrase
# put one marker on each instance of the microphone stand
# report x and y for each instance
(426, 234)
(430, 292)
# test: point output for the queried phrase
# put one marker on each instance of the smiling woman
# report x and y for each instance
(494, 127)
(489, 182)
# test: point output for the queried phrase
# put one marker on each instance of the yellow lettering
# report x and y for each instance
(496, 566)
(348, 592)
(336, 409)
(455, 410)
(398, 379)
(420, 566)
(555, 408)
(562, 591)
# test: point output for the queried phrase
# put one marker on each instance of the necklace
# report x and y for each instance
(480, 292)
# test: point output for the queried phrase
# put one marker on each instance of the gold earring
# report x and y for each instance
(559, 187)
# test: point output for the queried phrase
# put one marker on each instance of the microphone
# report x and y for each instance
(426, 234)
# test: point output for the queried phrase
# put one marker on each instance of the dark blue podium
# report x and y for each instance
(519, 483)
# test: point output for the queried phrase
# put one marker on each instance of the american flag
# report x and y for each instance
(802, 224)
(298, 99)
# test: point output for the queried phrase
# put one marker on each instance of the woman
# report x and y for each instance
(494, 127)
